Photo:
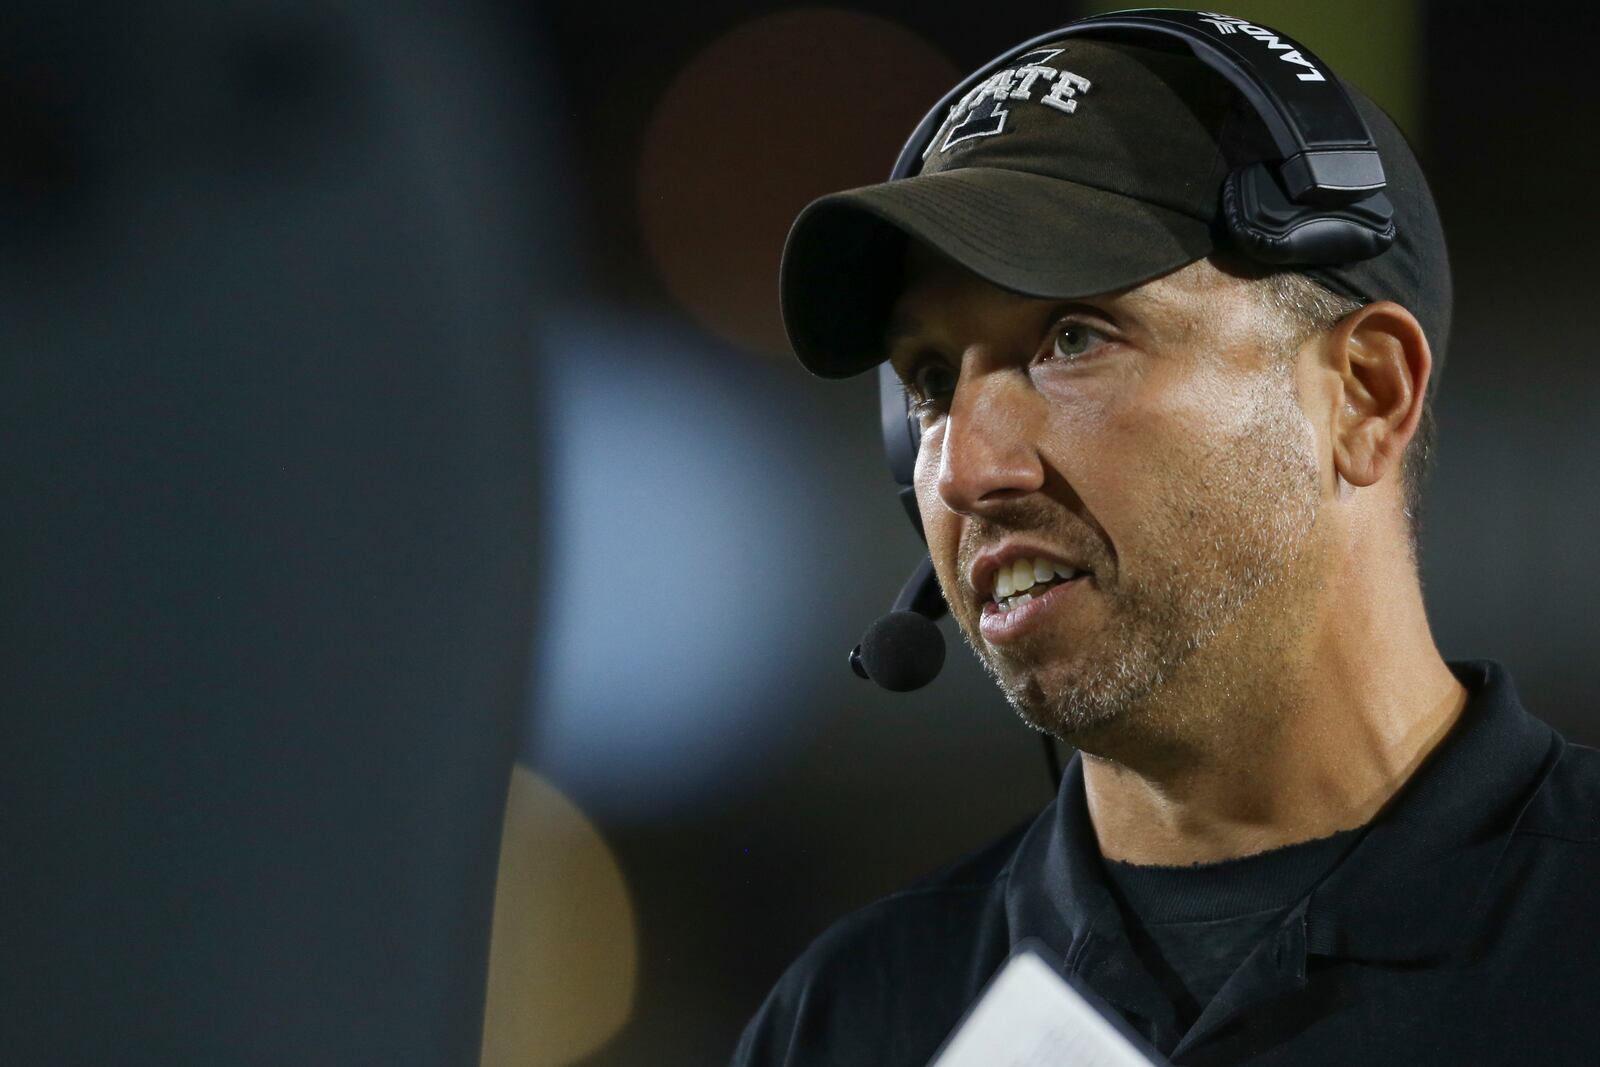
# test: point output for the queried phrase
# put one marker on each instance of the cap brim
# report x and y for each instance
(1036, 236)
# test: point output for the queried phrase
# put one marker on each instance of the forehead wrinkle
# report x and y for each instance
(1197, 301)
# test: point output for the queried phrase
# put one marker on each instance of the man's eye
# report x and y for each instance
(931, 384)
(1073, 339)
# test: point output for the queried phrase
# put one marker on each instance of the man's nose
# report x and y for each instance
(989, 454)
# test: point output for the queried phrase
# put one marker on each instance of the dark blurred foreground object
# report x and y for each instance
(270, 529)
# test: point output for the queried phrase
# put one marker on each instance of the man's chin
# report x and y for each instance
(1063, 698)
(1075, 682)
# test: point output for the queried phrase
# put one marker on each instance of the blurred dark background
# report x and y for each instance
(404, 472)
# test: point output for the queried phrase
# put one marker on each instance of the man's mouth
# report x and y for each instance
(1023, 579)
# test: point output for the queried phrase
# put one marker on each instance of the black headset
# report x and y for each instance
(1321, 202)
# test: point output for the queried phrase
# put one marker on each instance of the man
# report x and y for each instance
(1171, 499)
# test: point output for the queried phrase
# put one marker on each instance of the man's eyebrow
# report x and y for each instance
(899, 328)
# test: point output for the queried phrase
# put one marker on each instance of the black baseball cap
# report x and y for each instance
(1104, 171)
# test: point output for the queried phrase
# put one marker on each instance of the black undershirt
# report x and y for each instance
(1192, 926)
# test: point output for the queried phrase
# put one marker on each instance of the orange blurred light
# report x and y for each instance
(775, 113)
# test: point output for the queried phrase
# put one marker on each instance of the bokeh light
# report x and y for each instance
(563, 959)
(681, 534)
(779, 111)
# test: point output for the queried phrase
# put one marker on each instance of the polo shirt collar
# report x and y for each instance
(1410, 889)
(1417, 882)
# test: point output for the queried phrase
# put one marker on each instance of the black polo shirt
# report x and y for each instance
(1462, 927)
(1192, 926)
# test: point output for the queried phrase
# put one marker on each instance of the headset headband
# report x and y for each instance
(1327, 153)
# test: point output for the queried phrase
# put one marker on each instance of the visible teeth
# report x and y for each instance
(1011, 603)
(1022, 575)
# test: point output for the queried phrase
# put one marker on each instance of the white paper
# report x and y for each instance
(1030, 1017)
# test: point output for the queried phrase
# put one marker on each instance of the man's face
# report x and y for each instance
(1145, 454)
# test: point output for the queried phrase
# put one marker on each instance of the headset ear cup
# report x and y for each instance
(1269, 228)
(902, 435)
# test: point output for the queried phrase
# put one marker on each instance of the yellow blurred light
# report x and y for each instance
(563, 958)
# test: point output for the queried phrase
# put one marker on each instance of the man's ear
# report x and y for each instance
(1382, 360)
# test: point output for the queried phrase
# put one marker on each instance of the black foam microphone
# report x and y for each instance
(904, 650)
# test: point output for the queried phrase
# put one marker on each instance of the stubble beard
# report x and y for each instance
(1211, 620)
